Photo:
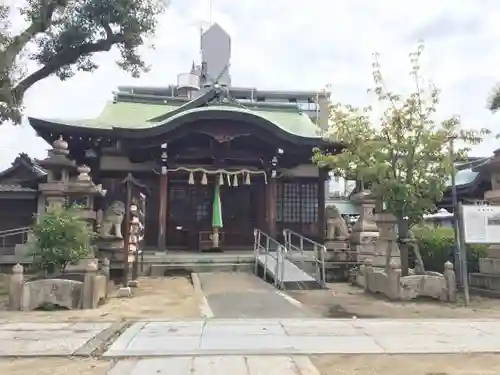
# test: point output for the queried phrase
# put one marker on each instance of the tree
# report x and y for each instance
(62, 36)
(494, 99)
(60, 237)
(403, 154)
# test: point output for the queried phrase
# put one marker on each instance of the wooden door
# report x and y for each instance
(238, 213)
(190, 208)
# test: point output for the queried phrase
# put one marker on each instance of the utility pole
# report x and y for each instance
(456, 215)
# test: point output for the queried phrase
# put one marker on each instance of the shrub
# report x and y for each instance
(437, 245)
(60, 237)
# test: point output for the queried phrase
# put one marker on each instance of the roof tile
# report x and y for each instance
(13, 188)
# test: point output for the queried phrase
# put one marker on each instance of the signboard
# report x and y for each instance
(481, 224)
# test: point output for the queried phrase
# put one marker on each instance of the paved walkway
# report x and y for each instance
(217, 365)
(52, 339)
(242, 295)
(243, 346)
(305, 336)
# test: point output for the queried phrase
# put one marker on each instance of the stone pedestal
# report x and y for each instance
(83, 266)
(386, 246)
(336, 250)
(488, 278)
(365, 231)
(111, 248)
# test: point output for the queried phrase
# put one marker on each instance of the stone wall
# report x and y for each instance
(69, 292)
(390, 283)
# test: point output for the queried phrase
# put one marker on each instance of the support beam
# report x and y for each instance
(271, 195)
(323, 176)
(163, 201)
(162, 212)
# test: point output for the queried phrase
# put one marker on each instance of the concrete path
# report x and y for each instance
(243, 295)
(305, 336)
(52, 339)
(216, 365)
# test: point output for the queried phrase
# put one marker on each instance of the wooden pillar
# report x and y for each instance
(163, 201)
(271, 195)
(322, 191)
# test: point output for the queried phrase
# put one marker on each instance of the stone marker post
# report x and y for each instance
(16, 286)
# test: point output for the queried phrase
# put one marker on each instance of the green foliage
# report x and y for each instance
(402, 154)
(61, 37)
(61, 237)
(436, 247)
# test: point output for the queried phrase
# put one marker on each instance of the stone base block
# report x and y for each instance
(133, 283)
(336, 245)
(84, 265)
(380, 260)
(485, 281)
(124, 292)
(489, 266)
(494, 252)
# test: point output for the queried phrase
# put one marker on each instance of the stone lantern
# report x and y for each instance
(365, 231)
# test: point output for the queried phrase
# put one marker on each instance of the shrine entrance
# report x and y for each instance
(190, 212)
(239, 214)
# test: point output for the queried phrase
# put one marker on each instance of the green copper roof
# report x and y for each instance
(130, 115)
(292, 122)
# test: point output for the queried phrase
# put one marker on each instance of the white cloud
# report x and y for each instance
(292, 44)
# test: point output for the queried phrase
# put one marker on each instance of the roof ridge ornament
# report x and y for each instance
(222, 92)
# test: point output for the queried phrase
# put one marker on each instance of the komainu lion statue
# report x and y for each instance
(111, 225)
(336, 227)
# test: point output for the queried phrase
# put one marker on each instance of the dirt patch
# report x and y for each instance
(342, 300)
(156, 298)
(452, 364)
(54, 366)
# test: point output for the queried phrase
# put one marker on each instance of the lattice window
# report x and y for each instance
(291, 203)
(309, 203)
(297, 202)
(202, 210)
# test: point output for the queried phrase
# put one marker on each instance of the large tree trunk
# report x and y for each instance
(403, 234)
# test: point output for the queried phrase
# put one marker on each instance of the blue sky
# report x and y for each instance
(292, 44)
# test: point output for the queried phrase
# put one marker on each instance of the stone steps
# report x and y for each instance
(164, 269)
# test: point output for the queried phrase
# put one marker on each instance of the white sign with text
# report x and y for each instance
(481, 224)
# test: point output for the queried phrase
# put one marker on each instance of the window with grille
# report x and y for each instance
(297, 202)
(185, 200)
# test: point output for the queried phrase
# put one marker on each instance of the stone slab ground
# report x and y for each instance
(55, 366)
(305, 336)
(52, 339)
(217, 365)
(431, 364)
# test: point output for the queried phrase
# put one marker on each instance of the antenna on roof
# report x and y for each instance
(209, 13)
(317, 108)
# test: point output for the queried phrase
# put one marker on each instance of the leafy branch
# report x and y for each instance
(62, 36)
(402, 154)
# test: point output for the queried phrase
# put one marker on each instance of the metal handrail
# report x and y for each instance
(7, 232)
(23, 232)
(319, 253)
(264, 244)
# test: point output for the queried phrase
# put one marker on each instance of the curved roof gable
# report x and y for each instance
(127, 118)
